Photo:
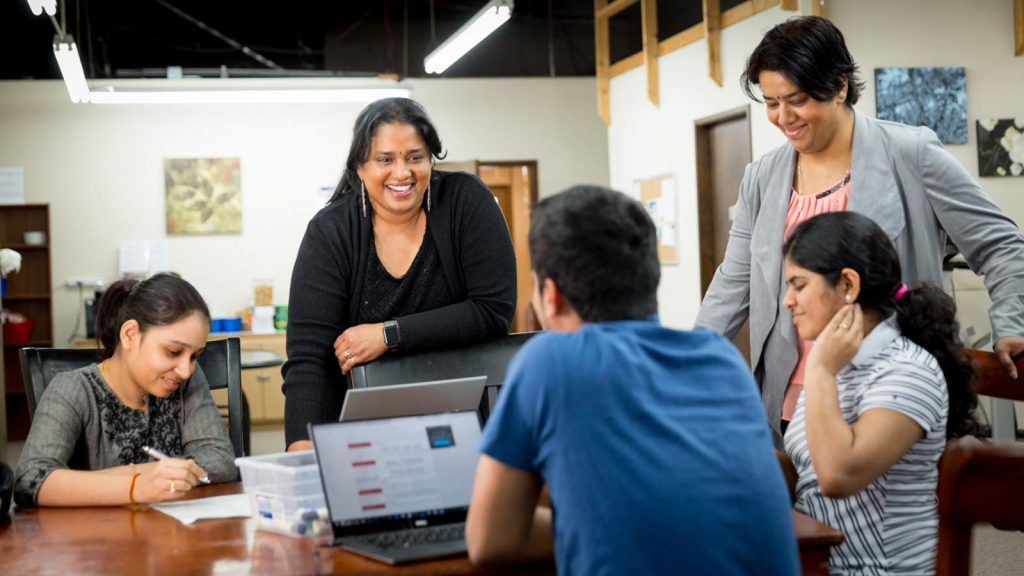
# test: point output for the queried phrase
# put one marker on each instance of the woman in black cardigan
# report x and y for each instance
(404, 258)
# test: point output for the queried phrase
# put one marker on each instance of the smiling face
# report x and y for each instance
(160, 359)
(397, 171)
(813, 301)
(808, 123)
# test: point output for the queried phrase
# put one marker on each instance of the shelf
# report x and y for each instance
(34, 343)
(10, 298)
(17, 247)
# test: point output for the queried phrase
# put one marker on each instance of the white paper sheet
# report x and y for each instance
(188, 511)
(12, 185)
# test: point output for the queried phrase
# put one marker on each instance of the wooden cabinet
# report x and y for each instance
(28, 293)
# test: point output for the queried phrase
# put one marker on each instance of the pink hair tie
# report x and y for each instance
(900, 292)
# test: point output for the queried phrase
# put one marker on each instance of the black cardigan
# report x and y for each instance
(479, 265)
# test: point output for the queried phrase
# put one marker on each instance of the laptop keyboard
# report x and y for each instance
(415, 536)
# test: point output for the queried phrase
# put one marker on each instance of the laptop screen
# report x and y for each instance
(397, 472)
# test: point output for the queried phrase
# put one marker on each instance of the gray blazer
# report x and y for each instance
(904, 180)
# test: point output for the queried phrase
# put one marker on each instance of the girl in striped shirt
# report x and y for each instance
(887, 382)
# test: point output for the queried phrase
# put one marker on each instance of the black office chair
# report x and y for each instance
(220, 363)
(487, 359)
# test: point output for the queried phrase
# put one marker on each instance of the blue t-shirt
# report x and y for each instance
(655, 449)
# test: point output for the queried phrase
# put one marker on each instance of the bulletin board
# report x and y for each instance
(658, 195)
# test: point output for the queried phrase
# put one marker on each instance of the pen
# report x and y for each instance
(153, 452)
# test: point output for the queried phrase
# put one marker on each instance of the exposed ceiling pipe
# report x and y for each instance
(223, 38)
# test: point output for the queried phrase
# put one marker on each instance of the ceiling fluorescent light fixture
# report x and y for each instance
(239, 96)
(487, 20)
(71, 69)
(38, 6)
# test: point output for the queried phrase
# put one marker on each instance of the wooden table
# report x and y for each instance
(141, 541)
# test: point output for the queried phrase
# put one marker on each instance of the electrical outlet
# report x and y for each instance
(75, 282)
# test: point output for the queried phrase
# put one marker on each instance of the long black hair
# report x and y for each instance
(827, 243)
(811, 53)
(161, 300)
(377, 113)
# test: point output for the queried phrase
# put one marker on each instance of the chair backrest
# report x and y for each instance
(979, 482)
(40, 365)
(220, 363)
(993, 379)
(486, 359)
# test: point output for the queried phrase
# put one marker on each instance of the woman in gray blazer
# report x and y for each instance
(898, 175)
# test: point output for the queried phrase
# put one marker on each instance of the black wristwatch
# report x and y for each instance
(391, 334)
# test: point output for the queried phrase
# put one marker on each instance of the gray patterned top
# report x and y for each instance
(80, 424)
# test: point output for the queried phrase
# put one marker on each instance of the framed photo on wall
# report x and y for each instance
(203, 195)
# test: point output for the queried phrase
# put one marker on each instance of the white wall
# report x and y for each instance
(644, 141)
(101, 169)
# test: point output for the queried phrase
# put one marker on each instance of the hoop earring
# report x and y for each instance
(428, 196)
(362, 197)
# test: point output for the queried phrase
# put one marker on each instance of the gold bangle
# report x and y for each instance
(131, 486)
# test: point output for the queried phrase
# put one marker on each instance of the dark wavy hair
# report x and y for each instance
(827, 243)
(384, 111)
(161, 300)
(811, 53)
(601, 248)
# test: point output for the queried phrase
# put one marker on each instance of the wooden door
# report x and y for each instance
(514, 185)
(723, 152)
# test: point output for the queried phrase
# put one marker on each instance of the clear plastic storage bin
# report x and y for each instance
(285, 492)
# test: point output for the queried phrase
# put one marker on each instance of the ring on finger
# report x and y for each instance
(347, 355)
(844, 326)
(172, 486)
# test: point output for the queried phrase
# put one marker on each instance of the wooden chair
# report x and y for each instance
(220, 362)
(980, 482)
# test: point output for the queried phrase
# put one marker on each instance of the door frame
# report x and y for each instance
(705, 192)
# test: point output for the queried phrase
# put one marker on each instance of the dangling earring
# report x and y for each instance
(363, 198)
(428, 196)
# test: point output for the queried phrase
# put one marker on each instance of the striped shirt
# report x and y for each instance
(891, 526)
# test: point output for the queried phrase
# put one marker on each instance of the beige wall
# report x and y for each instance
(101, 169)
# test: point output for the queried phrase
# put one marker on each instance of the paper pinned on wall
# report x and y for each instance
(143, 259)
(12, 185)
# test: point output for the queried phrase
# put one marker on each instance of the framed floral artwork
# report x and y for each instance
(1001, 147)
(204, 195)
(932, 97)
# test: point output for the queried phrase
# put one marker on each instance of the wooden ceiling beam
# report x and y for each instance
(613, 8)
(790, 5)
(713, 38)
(602, 53)
(649, 18)
(1018, 27)
(818, 8)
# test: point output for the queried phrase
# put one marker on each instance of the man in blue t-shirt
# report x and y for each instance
(652, 441)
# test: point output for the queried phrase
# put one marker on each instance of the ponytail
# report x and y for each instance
(160, 300)
(927, 316)
(109, 316)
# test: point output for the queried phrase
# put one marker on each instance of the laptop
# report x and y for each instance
(433, 397)
(398, 489)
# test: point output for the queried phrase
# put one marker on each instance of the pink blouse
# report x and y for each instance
(801, 208)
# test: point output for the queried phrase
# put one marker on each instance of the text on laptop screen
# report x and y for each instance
(397, 467)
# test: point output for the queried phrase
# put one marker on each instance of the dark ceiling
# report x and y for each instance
(141, 38)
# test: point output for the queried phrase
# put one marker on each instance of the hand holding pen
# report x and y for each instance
(158, 455)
